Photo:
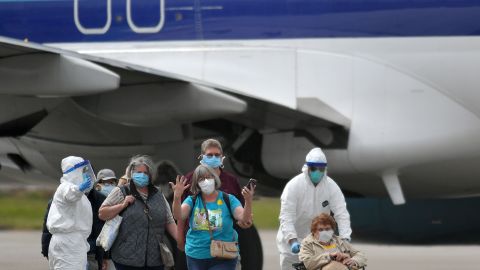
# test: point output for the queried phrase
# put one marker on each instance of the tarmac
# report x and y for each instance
(21, 250)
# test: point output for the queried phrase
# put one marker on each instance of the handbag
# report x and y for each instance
(109, 233)
(221, 249)
(165, 253)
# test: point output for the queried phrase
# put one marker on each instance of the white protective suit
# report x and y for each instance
(69, 221)
(302, 201)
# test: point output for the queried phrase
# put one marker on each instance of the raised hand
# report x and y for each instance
(248, 193)
(180, 186)
(87, 182)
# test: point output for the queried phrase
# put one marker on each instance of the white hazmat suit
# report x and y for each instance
(302, 201)
(69, 220)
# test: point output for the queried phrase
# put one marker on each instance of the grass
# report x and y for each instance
(24, 210)
(265, 213)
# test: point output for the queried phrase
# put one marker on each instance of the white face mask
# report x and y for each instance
(325, 236)
(207, 186)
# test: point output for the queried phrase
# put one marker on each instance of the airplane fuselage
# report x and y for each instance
(54, 21)
(399, 76)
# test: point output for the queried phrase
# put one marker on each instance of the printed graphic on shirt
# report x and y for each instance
(200, 219)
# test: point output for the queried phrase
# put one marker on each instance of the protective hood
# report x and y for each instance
(315, 156)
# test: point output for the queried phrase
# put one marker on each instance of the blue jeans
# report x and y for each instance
(126, 267)
(211, 264)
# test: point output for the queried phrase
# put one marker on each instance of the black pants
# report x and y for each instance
(126, 267)
(181, 260)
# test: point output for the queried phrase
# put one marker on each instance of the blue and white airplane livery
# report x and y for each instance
(388, 88)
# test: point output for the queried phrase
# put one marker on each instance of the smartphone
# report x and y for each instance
(252, 183)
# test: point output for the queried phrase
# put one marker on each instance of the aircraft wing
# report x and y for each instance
(57, 102)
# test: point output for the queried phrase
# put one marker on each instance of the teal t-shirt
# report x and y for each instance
(221, 222)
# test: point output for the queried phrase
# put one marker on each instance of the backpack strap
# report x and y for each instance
(194, 200)
(226, 199)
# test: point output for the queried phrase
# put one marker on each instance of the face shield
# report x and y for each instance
(86, 170)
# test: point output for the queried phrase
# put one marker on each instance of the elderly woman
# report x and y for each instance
(146, 215)
(210, 217)
(321, 249)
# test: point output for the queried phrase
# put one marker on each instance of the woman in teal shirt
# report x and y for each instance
(205, 184)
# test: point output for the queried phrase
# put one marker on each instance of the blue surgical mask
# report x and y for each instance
(213, 162)
(316, 176)
(140, 179)
(106, 189)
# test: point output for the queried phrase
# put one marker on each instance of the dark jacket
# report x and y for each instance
(141, 231)
(96, 199)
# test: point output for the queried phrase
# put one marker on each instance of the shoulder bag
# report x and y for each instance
(221, 249)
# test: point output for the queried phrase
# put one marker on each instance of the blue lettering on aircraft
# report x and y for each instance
(131, 20)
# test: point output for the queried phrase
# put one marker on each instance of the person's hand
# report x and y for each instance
(248, 193)
(339, 256)
(181, 247)
(179, 187)
(181, 241)
(104, 264)
(245, 224)
(87, 182)
(128, 200)
(295, 247)
(342, 256)
(349, 262)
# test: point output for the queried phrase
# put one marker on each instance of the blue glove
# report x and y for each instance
(295, 247)
(87, 182)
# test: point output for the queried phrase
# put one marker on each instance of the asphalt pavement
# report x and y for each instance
(21, 250)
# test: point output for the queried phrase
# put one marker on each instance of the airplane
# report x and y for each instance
(388, 89)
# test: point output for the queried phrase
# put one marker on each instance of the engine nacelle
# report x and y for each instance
(157, 104)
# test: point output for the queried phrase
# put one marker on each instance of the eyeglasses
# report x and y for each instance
(204, 178)
(322, 169)
(210, 155)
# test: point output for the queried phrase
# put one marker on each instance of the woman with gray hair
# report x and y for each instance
(146, 215)
(210, 217)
